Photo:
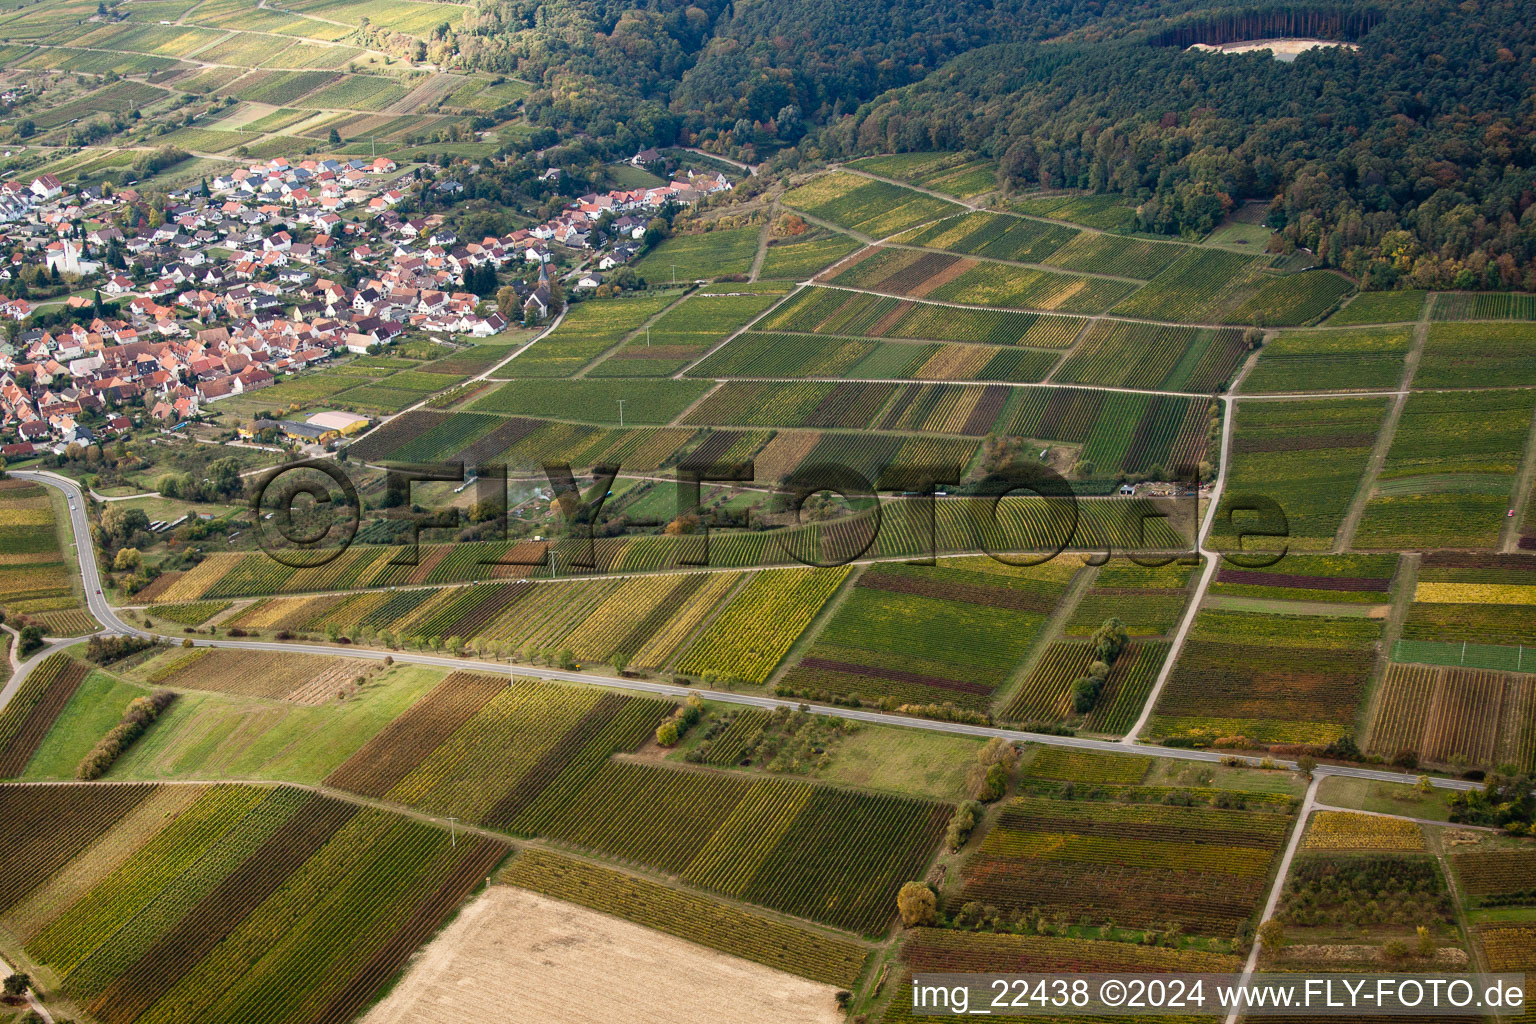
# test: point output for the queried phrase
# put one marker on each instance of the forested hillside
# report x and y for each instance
(752, 76)
(1408, 161)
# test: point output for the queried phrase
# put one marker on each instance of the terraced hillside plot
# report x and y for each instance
(1448, 476)
(1021, 523)
(1460, 355)
(246, 903)
(589, 329)
(993, 235)
(1105, 212)
(874, 208)
(947, 633)
(1487, 718)
(1010, 286)
(1134, 865)
(955, 174)
(1121, 353)
(708, 254)
(792, 260)
(945, 950)
(425, 436)
(1245, 678)
(596, 401)
(1306, 455)
(839, 312)
(1046, 694)
(898, 270)
(1198, 287)
(1119, 433)
(963, 362)
(682, 334)
(1484, 306)
(487, 752)
(755, 354)
(796, 404)
(945, 409)
(593, 619)
(1331, 361)
(1291, 300)
(1096, 253)
(1380, 308)
(830, 855)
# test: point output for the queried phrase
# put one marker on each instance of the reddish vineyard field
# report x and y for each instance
(1439, 713)
(1250, 677)
(1494, 877)
(1137, 865)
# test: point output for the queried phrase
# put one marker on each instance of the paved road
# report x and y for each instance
(109, 618)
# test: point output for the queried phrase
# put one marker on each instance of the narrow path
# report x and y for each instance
(857, 236)
(1458, 903)
(683, 415)
(1344, 538)
(1307, 806)
(649, 322)
(723, 159)
(1402, 600)
(1520, 499)
(762, 243)
(1319, 806)
(738, 332)
(32, 1001)
(1207, 573)
(1049, 633)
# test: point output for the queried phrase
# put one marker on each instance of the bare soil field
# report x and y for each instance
(515, 957)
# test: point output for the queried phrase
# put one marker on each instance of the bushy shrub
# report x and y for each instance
(140, 714)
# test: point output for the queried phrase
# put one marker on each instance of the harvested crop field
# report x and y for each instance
(301, 678)
(563, 964)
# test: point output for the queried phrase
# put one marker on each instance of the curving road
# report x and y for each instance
(109, 618)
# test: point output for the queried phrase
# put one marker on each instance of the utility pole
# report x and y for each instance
(674, 275)
(453, 839)
(621, 413)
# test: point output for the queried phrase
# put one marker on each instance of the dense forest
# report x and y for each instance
(1406, 160)
(747, 78)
